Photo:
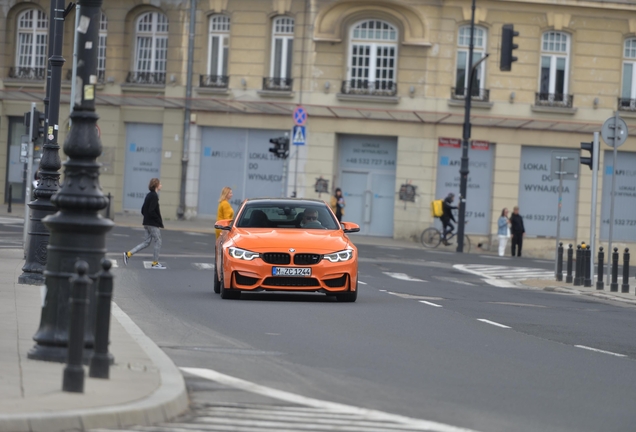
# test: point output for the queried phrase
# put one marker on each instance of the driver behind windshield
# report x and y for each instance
(310, 219)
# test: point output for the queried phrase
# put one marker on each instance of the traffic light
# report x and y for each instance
(507, 46)
(38, 124)
(281, 147)
(589, 161)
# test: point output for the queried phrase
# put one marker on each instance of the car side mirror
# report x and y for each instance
(350, 227)
(225, 224)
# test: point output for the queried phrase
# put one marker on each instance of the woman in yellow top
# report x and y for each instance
(225, 209)
(338, 204)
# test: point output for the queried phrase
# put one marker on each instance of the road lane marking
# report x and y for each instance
(453, 280)
(328, 407)
(203, 266)
(430, 304)
(600, 351)
(362, 283)
(492, 323)
(403, 276)
(383, 291)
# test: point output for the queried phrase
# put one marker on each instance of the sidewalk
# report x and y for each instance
(605, 294)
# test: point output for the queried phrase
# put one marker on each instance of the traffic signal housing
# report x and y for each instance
(508, 34)
(38, 124)
(589, 161)
(281, 147)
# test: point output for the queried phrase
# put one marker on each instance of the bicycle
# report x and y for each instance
(432, 237)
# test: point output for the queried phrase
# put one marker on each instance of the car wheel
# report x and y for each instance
(217, 280)
(229, 293)
(348, 297)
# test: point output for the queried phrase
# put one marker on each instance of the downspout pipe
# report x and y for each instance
(186, 117)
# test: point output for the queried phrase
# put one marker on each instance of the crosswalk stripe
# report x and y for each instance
(504, 272)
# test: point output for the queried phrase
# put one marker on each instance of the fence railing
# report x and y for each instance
(277, 84)
(478, 94)
(213, 81)
(369, 88)
(27, 73)
(146, 78)
(554, 100)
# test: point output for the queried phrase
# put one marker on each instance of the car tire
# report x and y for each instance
(349, 296)
(229, 293)
(217, 280)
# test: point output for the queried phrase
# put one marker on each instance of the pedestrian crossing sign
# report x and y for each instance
(299, 135)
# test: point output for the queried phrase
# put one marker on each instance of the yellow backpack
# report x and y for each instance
(437, 208)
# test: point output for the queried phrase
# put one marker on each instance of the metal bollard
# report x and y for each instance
(587, 271)
(74, 371)
(625, 285)
(568, 275)
(10, 197)
(601, 263)
(614, 283)
(577, 267)
(559, 270)
(100, 361)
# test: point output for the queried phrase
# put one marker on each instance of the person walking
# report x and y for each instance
(338, 204)
(152, 223)
(518, 231)
(225, 210)
(503, 231)
(447, 217)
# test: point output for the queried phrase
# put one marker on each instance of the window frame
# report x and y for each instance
(34, 31)
(223, 44)
(480, 75)
(554, 56)
(286, 65)
(154, 35)
(373, 44)
(629, 60)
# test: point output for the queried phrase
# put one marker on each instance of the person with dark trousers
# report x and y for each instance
(447, 217)
(152, 223)
(517, 230)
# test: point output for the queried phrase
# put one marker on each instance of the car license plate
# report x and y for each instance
(291, 271)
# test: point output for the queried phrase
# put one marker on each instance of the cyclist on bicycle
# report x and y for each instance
(447, 217)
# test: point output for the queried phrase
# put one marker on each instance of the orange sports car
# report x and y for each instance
(286, 244)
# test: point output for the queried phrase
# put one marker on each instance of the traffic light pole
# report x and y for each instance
(595, 162)
(29, 175)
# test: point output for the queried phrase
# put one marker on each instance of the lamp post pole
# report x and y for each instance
(78, 232)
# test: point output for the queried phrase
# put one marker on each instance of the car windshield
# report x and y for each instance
(262, 215)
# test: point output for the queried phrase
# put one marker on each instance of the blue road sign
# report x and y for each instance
(300, 116)
(299, 136)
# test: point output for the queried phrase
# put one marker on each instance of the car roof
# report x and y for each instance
(299, 202)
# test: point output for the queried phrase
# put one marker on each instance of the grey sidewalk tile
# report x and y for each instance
(14, 425)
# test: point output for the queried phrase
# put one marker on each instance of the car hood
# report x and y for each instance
(281, 240)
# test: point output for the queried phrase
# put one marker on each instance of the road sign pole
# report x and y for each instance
(558, 233)
(611, 227)
(595, 162)
(29, 181)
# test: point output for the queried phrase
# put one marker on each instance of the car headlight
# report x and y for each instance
(243, 254)
(344, 255)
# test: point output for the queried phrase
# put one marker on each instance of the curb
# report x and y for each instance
(165, 403)
(570, 290)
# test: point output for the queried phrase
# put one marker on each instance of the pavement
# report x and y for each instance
(145, 387)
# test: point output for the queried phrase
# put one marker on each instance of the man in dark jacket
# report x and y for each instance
(517, 230)
(447, 217)
(152, 222)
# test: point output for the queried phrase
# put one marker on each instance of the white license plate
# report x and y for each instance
(291, 271)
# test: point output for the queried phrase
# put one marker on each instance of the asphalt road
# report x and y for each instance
(424, 340)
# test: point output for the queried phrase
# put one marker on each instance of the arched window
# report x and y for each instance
(219, 44)
(280, 77)
(101, 52)
(463, 69)
(32, 45)
(372, 59)
(553, 80)
(628, 89)
(151, 49)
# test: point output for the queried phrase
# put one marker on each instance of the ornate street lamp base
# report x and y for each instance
(59, 354)
(31, 278)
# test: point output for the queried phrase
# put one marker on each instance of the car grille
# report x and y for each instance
(245, 280)
(307, 259)
(291, 281)
(336, 283)
(276, 258)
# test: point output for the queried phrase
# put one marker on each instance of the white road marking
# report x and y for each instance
(403, 276)
(382, 290)
(194, 233)
(504, 272)
(332, 408)
(495, 257)
(362, 283)
(120, 235)
(492, 323)
(430, 304)
(500, 283)
(203, 266)
(11, 220)
(453, 280)
(600, 351)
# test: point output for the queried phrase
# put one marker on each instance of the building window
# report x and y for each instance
(219, 44)
(280, 76)
(151, 49)
(32, 45)
(372, 59)
(627, 101)
(101, 50)
(553, 85)
(463, 70)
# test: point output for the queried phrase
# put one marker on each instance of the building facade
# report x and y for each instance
(383, 83)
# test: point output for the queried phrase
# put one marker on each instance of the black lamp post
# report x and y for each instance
(49, 176)
(77, 231)
(463, 170)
